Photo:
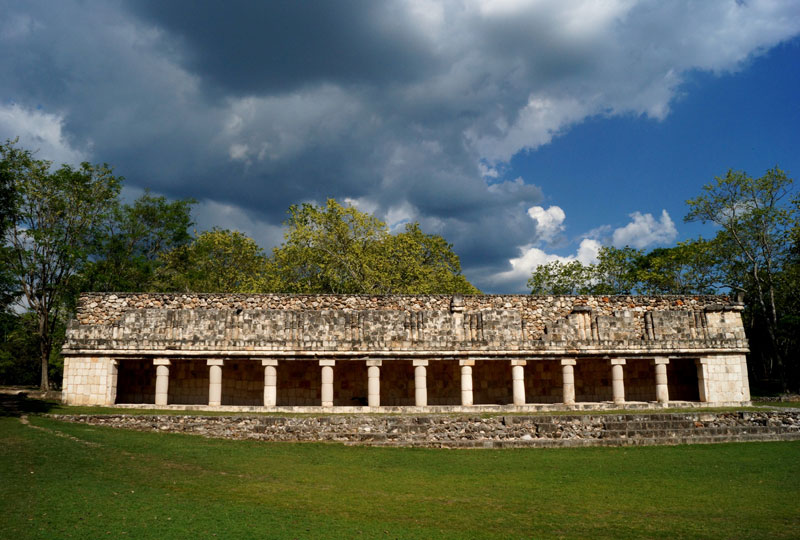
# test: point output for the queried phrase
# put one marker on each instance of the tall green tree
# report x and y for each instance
(412, 262)
(328, 249)
(687, 268)
(129, 250)
(7, 198)
(756, 224)
(56, 217)
(216, 261)
(339, 249)
(562, 278)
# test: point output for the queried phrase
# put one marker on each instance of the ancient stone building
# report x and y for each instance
(519, 351)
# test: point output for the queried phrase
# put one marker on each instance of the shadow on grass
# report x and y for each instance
(19, 404)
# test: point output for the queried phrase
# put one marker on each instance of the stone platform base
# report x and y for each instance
(461, 431)
(438, 409)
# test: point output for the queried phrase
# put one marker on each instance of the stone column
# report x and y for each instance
(374, 383)
(702, 378)
(617, 381)
(662, 390)
(420, 383)
(568, 380)
(518, 381)
(214, 382)
(113, 373)
(270, 382)
(466, 381)
(162, 380)
(327, 382)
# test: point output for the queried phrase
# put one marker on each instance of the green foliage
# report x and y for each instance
(559, 278)
(688, 268)
(129, 250)
(216, 261)
(328, 249)
(19, 352)
(337, 249)
(412, 262)
(616, 270)
(7, 288)
(754, 255)
(55, 220)
(624, 271)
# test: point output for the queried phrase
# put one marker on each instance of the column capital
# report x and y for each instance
(271, 362)
(661, 360)
(519, 362)
(215, 362)
(327, 363)
(374, 363)
(161, 362)
(467, 362)
(417, 363)
(617, 361)
(568, 361)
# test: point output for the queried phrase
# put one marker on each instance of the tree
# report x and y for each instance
(217, 261)
(128, 252)
(338, 249)
(688, 268)
(562, 278)
(615, 271)
(328, 249)
(56, 216)
(412, 262)
(754, 238)
(7, 288)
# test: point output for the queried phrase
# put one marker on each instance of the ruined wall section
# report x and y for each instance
(139, 322)
(535, 312)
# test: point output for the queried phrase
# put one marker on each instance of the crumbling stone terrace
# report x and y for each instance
(351, 352)
(461, 431)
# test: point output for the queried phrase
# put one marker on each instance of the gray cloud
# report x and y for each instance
(406, 108)
(251, 48)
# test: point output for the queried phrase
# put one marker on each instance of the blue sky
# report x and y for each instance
(747, 120)
(521, 131)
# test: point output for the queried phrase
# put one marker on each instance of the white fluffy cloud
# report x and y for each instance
(549, 222)
(644, 230)
(40, 132)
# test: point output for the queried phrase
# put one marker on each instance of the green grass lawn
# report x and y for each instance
(60, 480)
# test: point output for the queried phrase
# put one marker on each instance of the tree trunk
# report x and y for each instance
(45, 344)
(44, 386)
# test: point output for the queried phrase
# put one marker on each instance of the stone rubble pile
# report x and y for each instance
(475, 432)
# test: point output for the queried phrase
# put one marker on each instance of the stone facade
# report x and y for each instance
(351, 351)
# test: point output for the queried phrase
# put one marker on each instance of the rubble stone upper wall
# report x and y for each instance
(500, 318)
(536, 313)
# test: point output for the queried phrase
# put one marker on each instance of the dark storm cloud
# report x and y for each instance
(407, 109)
(250, 47)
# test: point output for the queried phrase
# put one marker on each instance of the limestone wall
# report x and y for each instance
(724, 378)
(89, 381)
